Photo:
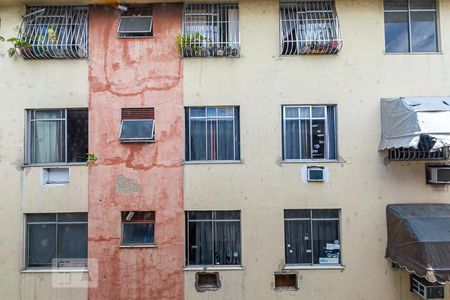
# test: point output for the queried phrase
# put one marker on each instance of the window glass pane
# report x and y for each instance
(227, 246)
(318, 112)
(77, 135)
(304, 112)
(200, 215)
(325, 213)
(47, 141)
(225, 139)
(396, 32)
(138, 233)
(292, 139)
(49, 114)
(326, 242)
(318, 139)
(422, 4)
(41, 245)
(332, 145)
(212, 139)
(73, 217)
(228, 215)
(200, 243)
(198, 139)
(297, 213)
(298, 242)
(423, 31)
(305, 128)
(72, 244)
(197, 112)
(132, 129)
(291, 112)
(395, 4)
(225, 111)
(41, 218)
(211, 111)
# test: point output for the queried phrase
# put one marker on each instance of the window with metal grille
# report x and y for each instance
(54, 32)
(210, 30)
(424, 151)
(309, 132)
(138, 227)
(138, 125)
(309, 27)
(212, 134)
(410, 26)
(136, 22)
(57, 136)
(213, 238)
(312, 236)
(56, 240)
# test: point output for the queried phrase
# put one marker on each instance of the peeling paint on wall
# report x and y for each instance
(127, 185)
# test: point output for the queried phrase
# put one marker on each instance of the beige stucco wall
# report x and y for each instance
(361, 184)
(28, 84)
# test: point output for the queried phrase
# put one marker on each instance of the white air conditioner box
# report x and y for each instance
(438, 174)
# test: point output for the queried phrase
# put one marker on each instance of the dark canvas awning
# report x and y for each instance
(419, 239)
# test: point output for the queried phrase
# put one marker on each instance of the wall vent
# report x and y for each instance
(286, 281)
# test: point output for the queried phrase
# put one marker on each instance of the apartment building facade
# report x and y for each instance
(234, 147)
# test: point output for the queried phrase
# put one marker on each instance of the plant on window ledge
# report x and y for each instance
(20, 45)
(91, 159)
(194, 45)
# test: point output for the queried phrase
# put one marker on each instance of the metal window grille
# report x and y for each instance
(54, 32)
(309, 27)
(423, 151)
(210, 30)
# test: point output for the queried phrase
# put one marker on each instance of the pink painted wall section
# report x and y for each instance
(136, 177)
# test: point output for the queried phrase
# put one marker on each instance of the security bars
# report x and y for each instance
(309, 27)
(49, 32)
(210, 30)
(423, 152)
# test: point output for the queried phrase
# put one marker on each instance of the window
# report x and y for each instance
(57, 136)
(410, 26)
(213, 238)
(424, 151)
(309, 27)
(54, 32)
(312, 236)
(212, 133)
(138, 228)
(309, 132)
(210, 30)
(138, 125)
(57, 240)
(135, 22)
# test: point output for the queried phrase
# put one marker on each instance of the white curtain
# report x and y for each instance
(47, 137)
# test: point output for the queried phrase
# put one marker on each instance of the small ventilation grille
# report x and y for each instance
(138, 113)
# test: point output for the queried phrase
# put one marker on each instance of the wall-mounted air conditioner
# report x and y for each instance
(316, 174)
(438, 174)
(425, 289)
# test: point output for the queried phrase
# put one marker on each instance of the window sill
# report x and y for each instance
(311, 161)
(213, 268)
(212, 162)
(315, 267)
(138, 246)
(53, 165)
(60, 270)
(413, 53)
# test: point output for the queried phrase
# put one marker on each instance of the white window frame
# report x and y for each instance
(311, 238)
(409, 10)
(28, 144)
(327, 134)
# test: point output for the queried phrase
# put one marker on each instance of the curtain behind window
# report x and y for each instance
(72, 244)
(200, 243)
(48, 137)
(42, 245)
(324, 232)
(297, 237)
(227, 246)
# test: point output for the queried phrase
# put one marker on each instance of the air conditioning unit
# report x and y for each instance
(316, 174)
(425, 289)
(438, 174)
